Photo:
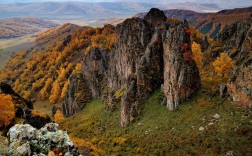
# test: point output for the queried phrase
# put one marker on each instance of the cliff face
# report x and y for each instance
(78, 94)
(181, 76)
(147, 54)
(237, 40)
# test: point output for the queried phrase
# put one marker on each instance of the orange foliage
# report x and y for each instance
(57, 57)
(7, 110)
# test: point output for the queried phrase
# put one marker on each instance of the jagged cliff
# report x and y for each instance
(237, 40)
(148, 52)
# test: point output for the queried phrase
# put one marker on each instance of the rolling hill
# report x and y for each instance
(209, 23)
(17, 27)
(89, 12)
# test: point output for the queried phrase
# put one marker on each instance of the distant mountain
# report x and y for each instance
(223, 4)
(90, 12)
(16, 27)
(209, 23)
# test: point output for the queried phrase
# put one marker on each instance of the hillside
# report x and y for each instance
(209, 23)
(159, 132)
(16, 27)
(56, 55)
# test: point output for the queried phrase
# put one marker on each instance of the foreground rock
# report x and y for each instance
(27, 140)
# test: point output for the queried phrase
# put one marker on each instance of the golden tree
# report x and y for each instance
(197, 54)
(223, 64)
(64, 90)
(55, 92)
(7, 110)
(44, 92)
(58, 117)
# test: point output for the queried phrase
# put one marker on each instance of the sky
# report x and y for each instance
(146, 1)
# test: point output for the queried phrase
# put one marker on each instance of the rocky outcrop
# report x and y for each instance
(94, 71)
(240, 86)
(78, 94)
(147, 54)
(155, 17)
(181, 75)
(141, 63)
(237, 40)
(91, 83)
(27, 140)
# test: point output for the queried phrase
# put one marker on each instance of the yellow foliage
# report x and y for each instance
(7, 110)
(26, 94)
(197, 54)
(62, 74)
(44, 92)
(223, 65)
(58, 117)
(119, 140)
(64, 90)
(119, 93)
(55, 93)
(83, 144)
(78, 67)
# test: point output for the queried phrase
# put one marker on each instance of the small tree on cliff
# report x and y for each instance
(7, 110)
(197, 54)
(223, 64)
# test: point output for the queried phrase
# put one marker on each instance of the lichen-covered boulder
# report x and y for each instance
(23, 139)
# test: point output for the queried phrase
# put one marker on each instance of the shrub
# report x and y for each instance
(7, 112)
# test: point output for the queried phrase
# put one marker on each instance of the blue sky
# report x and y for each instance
(147, 1)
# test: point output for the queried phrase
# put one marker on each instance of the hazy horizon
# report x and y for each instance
(223, 4)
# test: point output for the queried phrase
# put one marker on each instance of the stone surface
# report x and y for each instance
(27, 140)
(240, 86)
(181, 76)
(223, 89)
(78, 94)
(94, 71)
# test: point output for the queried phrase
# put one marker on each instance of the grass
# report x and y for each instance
(10, 46)
(160, 132)
(44, 107)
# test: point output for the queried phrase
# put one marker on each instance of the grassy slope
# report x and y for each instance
(10, 46)
(160, 132)
(45, 107)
